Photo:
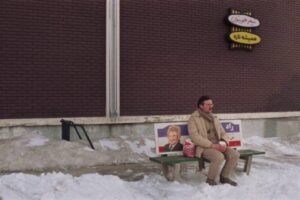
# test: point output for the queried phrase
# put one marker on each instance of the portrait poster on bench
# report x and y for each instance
(233, 131)
(169, 137)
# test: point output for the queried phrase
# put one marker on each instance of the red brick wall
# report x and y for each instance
(173, 51)
(52, 61)
(52, 58)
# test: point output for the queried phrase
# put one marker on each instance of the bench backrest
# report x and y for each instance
(232, 128)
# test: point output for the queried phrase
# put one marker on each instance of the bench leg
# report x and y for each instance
(201, 165)
(177, 172)
(165, 170)
(171, 172)
(248, 162)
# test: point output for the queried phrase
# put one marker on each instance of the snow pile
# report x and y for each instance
(274, 175)
(35, 152)
(141, 147)
(37, 140)
(109, 145)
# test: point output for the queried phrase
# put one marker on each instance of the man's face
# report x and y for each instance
(173, 137)
(207, 106)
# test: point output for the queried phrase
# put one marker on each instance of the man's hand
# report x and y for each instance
(218, 147)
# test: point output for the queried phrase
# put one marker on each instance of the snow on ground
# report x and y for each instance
(275, 176)
(34, 152)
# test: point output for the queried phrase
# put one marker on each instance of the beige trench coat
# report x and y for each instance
(198, 132)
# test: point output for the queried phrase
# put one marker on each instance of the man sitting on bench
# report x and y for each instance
(211, 142)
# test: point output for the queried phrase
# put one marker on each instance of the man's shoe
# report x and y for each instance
(224, 180)
(211, 182)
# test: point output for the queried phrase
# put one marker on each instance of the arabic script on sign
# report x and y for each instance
(243, 21)
(245, 38)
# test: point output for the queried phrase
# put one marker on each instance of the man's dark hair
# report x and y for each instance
(202, 99)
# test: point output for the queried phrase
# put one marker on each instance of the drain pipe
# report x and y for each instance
(112, 58)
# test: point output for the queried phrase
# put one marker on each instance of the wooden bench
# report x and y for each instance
(171, 163)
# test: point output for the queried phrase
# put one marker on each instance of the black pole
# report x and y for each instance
(87, 137)
(74, 125)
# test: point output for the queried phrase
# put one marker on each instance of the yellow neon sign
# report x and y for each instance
(244, 38)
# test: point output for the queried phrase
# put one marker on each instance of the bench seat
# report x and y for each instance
(172, 162)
